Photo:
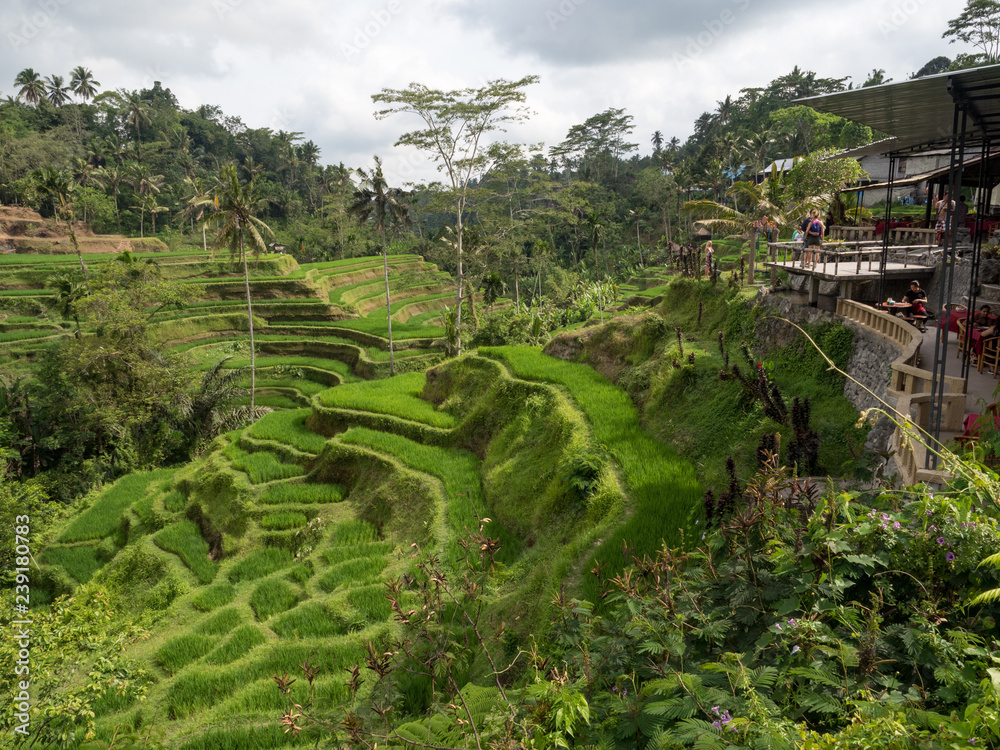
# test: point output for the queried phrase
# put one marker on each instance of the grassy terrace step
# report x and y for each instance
(661, 483)
(398, 396)
(372, 302)
(288, 427)
(319, 369)
(350, 294)
(459, 472)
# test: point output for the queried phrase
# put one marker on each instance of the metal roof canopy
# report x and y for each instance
(920, 113)
(970, 174)
(960, 110)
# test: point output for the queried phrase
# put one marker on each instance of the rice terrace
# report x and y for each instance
(564, 445)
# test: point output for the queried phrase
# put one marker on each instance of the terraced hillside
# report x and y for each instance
(274, 548)
(334, 312)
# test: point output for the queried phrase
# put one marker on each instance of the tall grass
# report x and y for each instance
(457, 469)
(184, 539)
(103, 517)
(211, 597)
(398, 396)
(221, 622)
(359, 570)
(261, 466)
(288, 427)
(180, 651)
(80, 562)
(353, 532)
(283, 521)
(281, 494)
(272, 596)
(311, 620)
(371, 602)
(662, 485)
(243, 639)
(260, 563)
(342, 553)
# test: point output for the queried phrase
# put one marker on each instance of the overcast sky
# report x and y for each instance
(312, 66)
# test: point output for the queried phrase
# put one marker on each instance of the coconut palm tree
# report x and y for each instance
(57, 187)
(196, 202)
(32, 86)
(657, 141)
(82, 83)
(141, 177)
(374, 198)
(58, 91)
(114, 177)
(238, 204)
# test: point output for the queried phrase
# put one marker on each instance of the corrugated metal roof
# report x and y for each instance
(920, 112)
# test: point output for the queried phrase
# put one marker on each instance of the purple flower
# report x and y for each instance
(896, 525)
(940, 540)
(793, 622)
(928, 512)
(717, 725)
(972, 741)
(778, 627)
(795, 650)
(949, 556)
(715, 710)
(614, 689)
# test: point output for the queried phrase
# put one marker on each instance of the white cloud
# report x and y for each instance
(311, 66)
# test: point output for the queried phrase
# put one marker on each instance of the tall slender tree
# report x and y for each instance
(82, 83)
(375, 199)
(455, 127)
(238, 204)
(32, 86)
(57, 90)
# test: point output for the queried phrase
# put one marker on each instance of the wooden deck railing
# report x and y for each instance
(910, 385)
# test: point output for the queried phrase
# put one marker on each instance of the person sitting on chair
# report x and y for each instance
(916, 297)
(981, 319)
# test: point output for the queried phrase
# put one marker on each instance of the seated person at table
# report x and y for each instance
(981, 319)
(916, 297)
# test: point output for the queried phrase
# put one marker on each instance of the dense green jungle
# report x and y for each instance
(293, 457)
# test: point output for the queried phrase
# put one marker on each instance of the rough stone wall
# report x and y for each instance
(869, 364)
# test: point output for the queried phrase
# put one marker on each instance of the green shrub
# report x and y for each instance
(184, 539)
(210, 597)
(260, 563)
(272, 596)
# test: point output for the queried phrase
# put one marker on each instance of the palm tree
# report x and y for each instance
(68, 292)
(238, 203)
(58, 92)
(141, 177)
(32, 86)
(197, 200)
(82, 83)
(114, 177)
(657, 141)
(57, 186)
(375, 198)
(208, 412)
